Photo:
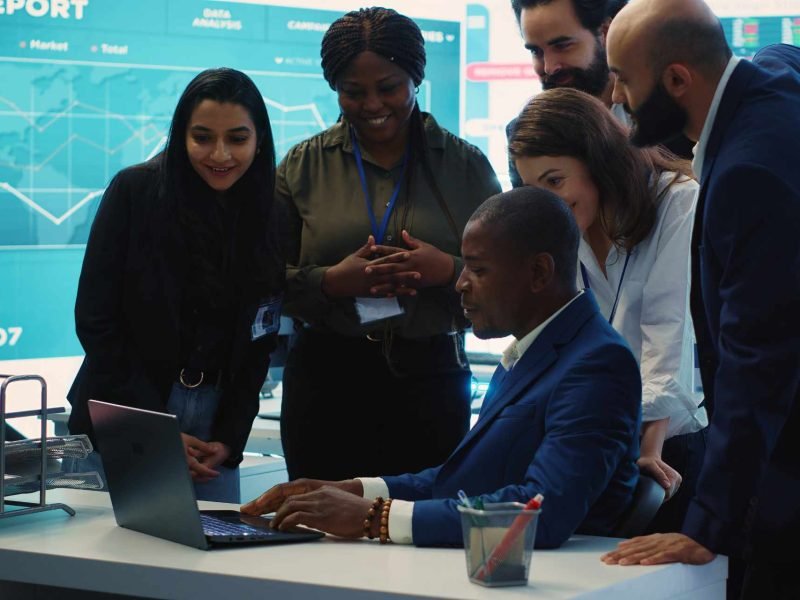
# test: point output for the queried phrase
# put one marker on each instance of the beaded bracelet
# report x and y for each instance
(384, 531)
(373, 510)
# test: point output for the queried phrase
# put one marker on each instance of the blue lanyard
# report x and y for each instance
(585, 277)
(378, 233)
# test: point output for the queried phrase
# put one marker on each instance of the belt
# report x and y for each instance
(377, 336)
(189, 377)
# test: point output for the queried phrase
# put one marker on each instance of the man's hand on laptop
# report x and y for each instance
(329, 509)
(203, 457)
(276, 496)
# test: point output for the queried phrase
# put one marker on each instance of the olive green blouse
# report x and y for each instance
(319, 187)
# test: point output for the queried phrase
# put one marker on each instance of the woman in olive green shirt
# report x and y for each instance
(377, 381)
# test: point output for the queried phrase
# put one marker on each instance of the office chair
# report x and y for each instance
(647, 499)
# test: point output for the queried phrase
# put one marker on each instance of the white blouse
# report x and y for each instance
(653, 308)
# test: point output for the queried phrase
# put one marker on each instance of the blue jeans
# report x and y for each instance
(195, 409)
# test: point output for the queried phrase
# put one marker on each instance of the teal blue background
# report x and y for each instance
(769, 30)
(70, 120)
(478, 91)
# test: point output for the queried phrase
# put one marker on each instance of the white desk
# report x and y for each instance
(259, 473)
(265, 436)
(89, 552)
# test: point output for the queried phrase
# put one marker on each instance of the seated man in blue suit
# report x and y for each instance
(676, 72)
(561, 417)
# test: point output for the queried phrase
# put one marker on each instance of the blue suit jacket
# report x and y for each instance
(746, 311)
(563, 422)
(778, 56)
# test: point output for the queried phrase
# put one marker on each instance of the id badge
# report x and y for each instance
(268, 319)
(377, 309)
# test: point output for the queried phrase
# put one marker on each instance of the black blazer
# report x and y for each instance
(746, 312)
(127, 315)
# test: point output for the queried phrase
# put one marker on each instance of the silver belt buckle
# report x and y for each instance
(190, 385)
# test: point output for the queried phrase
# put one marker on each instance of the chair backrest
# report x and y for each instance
(647, 499)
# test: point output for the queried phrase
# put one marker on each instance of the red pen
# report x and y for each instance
(502, 549)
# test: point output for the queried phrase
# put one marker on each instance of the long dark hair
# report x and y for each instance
(398, 39)
(568, 122)
(256, 256)
(222, 85)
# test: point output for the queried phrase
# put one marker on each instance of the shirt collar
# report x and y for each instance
(517, 348)
(699, 149)
(618, 110)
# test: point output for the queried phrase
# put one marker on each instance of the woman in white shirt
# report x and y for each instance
(635, 209)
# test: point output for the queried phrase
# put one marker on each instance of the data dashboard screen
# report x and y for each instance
(746, 35)
(88, 87)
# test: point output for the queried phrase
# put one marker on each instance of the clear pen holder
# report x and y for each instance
(498, 543)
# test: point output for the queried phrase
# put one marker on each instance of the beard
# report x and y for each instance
(593, 80)
(658, 119)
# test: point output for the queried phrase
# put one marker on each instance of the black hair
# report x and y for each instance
(189, 203)
(697, 42)
(381, 30)
(225, 86)
(613, 7)
(398, 39)
(532, 220)
(591, 13)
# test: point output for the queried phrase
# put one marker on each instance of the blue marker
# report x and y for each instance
(464, 499)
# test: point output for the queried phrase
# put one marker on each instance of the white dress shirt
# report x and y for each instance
(699, 149)
(618, 110)
(402, 512)
(517, 348)
(653, 307)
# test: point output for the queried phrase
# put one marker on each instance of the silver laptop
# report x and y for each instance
(151, 489)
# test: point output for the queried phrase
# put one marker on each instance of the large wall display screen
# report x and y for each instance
(88, 87)
(747, 35)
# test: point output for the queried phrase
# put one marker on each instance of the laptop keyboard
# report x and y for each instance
(215, 527)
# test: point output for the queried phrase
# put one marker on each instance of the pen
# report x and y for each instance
(464, 499)
(502, 549)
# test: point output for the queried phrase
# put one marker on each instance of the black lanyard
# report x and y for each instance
(585, 277)
(376, 231)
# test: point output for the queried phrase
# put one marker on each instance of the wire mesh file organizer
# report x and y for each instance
(9, 483)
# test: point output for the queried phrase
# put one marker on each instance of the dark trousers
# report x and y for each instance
(684, 453)
(762, 580)
(346, 414)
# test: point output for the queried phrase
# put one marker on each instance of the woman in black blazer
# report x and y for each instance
(179, 296)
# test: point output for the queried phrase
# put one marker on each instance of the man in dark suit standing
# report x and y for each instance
(675, 72)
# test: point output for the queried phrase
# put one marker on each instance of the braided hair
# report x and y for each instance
(398, 39)
(383, 31)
